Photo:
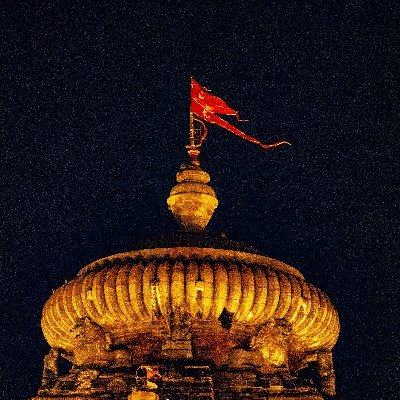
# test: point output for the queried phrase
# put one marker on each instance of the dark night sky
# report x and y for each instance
(94, 118)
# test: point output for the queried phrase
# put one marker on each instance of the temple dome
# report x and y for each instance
(191, 298)
(130, 294)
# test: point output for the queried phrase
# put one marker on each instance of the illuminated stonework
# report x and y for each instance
(189, 317)
(192, 201)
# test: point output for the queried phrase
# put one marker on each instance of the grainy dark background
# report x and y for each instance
(94, 118)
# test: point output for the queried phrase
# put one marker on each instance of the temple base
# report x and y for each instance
(178, 380)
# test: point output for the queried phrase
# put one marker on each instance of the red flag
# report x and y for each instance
(206, 106)
(214, 104)
(151, 373)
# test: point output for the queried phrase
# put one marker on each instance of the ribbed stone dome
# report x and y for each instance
(188, 304)
(131, 294)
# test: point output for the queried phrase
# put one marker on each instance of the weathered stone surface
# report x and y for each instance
(189, 322)
(50, 367)
(143, 395)
(176, 349)
(130, 299)
(326, 372)
(240, 358)
(192, 201)
(91, 346)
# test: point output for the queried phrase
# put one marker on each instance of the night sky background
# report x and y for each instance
(95, 117)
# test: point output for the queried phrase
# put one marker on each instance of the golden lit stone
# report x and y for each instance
(128, 297)
(150, 323)
(192, 201)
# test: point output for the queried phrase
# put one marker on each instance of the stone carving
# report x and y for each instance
(117, 385)
(271, 342)
(92, 346)
(241, 358)
(50, 367)
(264, 348)
(276, 384)
(326, 372)
(86, 378)
(179, 323)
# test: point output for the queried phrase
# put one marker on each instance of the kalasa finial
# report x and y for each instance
(192, 201)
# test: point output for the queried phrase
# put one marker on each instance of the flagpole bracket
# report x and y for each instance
(197, 135)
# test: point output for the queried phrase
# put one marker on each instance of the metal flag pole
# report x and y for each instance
(196, 137)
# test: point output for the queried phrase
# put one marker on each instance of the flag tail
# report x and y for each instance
(215, 119)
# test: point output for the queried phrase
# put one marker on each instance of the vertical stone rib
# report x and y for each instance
(235, 288)
(148, 287)
(62, 334)
(320, 338)
(122, 290)
(247, 301)
(99, 298)
(77, 298)
(61, 323)
(54, 338)
(317, 326)
(304, 327)
(272, 297)
(48, 321)
(135, 291)
(296, 300)
(48, 333)
(163, 275)
(110, 294)
(284, 297)
(305, 305)
(66, 300)
(327, 324)
(191, 290)
(87, 296)
(260, 295)
(177, 284)
(208, 294)
(54, 314)
(220, 290)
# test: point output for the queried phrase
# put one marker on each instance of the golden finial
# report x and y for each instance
(192, 201)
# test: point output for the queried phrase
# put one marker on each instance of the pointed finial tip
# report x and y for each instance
(193, 155)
